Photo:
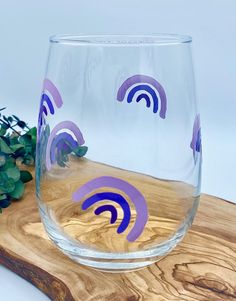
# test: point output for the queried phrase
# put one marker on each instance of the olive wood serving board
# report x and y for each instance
(202, 267)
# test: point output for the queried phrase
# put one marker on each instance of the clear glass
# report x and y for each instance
(119, 148)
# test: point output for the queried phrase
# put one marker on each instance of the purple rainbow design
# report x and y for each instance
(143, 80)
(52, 89)
(56, 101)
(115, 197)
(133, 193)
(63, 140)
(196, 138)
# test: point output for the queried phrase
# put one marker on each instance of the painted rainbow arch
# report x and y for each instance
(64, 135)
(196, 143)
(145, 85)
(50, 100)
(133, 193)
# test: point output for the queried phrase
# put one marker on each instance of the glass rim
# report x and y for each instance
(157, 39)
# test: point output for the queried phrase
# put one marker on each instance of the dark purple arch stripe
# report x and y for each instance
(110, 208)
(138, 78)
(144, 88)
(44, 109)
(46, 99)
(199, 142)
(146, 97)
(115, 197)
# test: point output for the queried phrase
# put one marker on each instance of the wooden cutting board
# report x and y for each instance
(202, 267)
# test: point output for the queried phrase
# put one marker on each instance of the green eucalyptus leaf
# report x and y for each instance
(3, 196)
(5, 126)
(32, 132)
(21, 124)
(28, 148)
(18, 191)
(2, 159)
(20, 152)
(25, 176)
(14, 139)
(3, 130)
(16, 118)
(5, 119)
(3, 177)
(62, 158)
(5, 203)
(16, 147)
(7, 185)
(34, 141)
(10, 119)
(4, 147)
(25, 139)
(10, 162)
(13, 173)
(80, 151)
(28, 160)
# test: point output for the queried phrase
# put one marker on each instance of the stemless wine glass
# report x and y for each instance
(119, 147)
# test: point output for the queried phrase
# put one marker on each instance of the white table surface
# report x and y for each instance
(14, 288)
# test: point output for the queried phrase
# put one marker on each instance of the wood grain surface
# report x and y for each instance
(202, 267)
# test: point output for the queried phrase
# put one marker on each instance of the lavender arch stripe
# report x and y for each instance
(138, 78)
(135, 196)
(50, 87)
(64, 125)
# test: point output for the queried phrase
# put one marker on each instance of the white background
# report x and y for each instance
(24, 30)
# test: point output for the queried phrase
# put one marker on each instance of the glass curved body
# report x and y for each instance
(119, 148)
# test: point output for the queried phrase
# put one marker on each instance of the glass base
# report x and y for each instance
(112, 262)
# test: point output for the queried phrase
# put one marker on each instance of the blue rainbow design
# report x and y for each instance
(65, 136)
(150, 86)
(48, 101)
(196, 142)
(144, 96)
(115, 197)
(62, 142)
(133, 194)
